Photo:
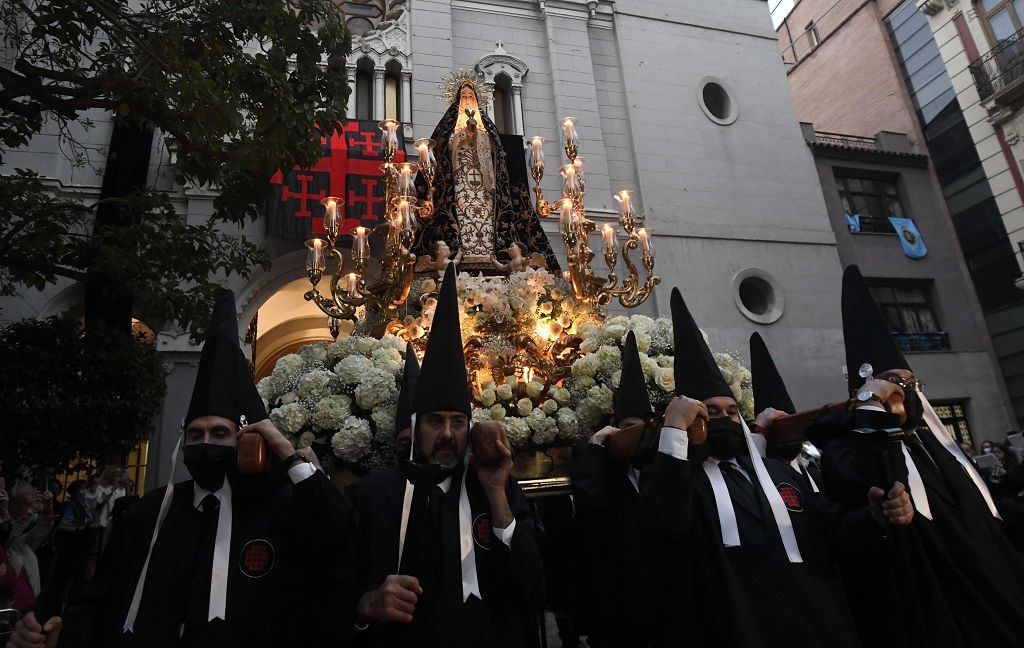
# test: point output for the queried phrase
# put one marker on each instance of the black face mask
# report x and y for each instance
(725, 438)
(210, 463)
(914, 409)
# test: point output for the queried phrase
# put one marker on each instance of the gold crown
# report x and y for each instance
(452, 83)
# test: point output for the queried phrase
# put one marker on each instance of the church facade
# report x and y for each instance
(684, 103)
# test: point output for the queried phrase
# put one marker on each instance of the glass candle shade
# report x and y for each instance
(537, 152)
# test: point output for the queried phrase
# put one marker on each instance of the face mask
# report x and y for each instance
(914, 409)
(209, 463)
(725, 438)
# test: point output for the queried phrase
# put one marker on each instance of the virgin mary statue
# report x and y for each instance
(478, 213)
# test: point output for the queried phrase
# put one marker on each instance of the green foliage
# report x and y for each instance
(238, 90)
(165, 260)
(101, 402)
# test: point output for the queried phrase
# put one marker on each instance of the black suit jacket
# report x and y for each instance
(953, 581)
(511, 577)
(749, 595)
(281, 591)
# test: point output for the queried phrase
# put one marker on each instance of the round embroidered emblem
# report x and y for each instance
(908, 235)
(483, 531)
(791, 497)
(257, 558)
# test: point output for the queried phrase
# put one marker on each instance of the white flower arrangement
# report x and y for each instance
(596, 373)
(340, 398)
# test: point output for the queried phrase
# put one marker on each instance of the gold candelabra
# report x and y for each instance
(351, 289)
(576, 228)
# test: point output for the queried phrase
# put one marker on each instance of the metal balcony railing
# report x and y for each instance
(938, 341)
(1000, 67)
(845, 141)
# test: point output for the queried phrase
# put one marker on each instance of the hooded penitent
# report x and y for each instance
(868, 339)
(698, 377)
(442, 385)
(769, 389)
(696, 372)
(631, 398)
(224, 385)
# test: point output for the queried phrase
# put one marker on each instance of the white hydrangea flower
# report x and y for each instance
(288, 368)
(585, 382)
(481, 414)
(331, 411)
(367, 345)
(375, 387)
(352, 441)
(289, 418)
(389, 360)
(603, 398)
(267, 388)
(610, 357)
(306, 440)
(517, 430)
(340, 348)
(665, 361)
(315, 352)
(383, 417)
(544, 428)
(393, 342)
(588, 414)
(351, 369)
(315, 384)
(568, 424)
(289, 398)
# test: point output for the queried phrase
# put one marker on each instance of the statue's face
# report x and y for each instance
(467, 97)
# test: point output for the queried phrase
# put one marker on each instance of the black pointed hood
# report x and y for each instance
(442, 384)
(769, 389)
(403, 414)
(631, 398)
(867, 336)
(224, 385)
(696, 372)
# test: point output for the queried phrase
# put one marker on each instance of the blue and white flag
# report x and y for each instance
(853, 222)
(910, 238)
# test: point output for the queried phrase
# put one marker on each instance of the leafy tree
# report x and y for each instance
(102, 400)
(238, 89)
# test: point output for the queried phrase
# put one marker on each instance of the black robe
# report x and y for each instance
(283, 589)
(511, 578)
(953, 581)
(612, 590)
(751, 595)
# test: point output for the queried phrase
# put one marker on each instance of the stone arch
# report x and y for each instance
(495, 68)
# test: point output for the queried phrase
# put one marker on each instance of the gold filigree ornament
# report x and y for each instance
(451, 85)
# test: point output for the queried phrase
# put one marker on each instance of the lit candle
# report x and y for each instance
(360, 249)
(352, 284)
(644, 243)
(569, 179)
(609, 238)
(390, 129)
(406, 215)
(315, 262)
(569, 126)
(407, 179)
(565, 219)
(424, 151)
(537, 152)
(330, 204)
(624, 198)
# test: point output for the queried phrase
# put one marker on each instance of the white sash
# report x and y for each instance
(918, 494)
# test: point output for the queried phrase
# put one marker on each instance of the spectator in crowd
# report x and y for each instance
(76, 510)
(30, 525)
(108, 489)
(1005, 479)
(7, 574)
(968, 449)
(986, 447)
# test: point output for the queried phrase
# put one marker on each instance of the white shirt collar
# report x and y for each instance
(734, 463)
(201, 493)
(446, 484)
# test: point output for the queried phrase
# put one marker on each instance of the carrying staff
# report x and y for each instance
(220, 559)
(956, 548)
(743, 549)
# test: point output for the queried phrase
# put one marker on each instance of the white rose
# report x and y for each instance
(498, 412)
(589, 346)
(306, 439)
(511, 381)
(504, 392)
(666, 379)
(487, 397)
(561, 396)
(524, 406)
(549, 407)
(490, 385)
(534, 388)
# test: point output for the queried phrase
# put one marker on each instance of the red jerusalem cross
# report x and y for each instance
(303, 195)
(367, 197)
(367, 144)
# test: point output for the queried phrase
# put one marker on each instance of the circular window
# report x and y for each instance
(758, 296)
(716, 101)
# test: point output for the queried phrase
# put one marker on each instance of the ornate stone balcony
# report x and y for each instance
(999, 74)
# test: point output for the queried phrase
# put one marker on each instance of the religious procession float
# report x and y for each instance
(543, 355)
